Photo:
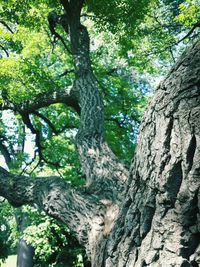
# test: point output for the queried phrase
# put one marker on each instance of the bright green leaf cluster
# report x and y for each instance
(189, 12)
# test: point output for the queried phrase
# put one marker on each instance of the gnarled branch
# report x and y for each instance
(57, 198)
(66, 96)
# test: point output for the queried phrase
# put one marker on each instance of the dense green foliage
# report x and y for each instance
(131, 41)
(52, 241)
(7, 230)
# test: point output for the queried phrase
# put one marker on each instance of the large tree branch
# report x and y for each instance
(105, 175)
(57, 198)
(66, 96)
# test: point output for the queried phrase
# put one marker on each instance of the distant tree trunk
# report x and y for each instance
(159, 224)
(25, 252)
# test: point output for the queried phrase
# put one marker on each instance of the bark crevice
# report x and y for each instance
(191, 151)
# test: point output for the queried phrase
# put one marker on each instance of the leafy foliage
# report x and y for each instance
(117, 16)
(189, 12)
(53, 243)
(6, 230)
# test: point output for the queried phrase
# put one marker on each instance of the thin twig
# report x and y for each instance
(6, 25)
(6, 52)
(195, 25)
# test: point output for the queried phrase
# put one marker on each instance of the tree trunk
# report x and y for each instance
(159, 224)
(150, 216)
(25, 254)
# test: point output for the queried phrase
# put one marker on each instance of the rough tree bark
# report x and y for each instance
(150, 215)
(159, 224)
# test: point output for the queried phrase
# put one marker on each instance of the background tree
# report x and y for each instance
(40, 86)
